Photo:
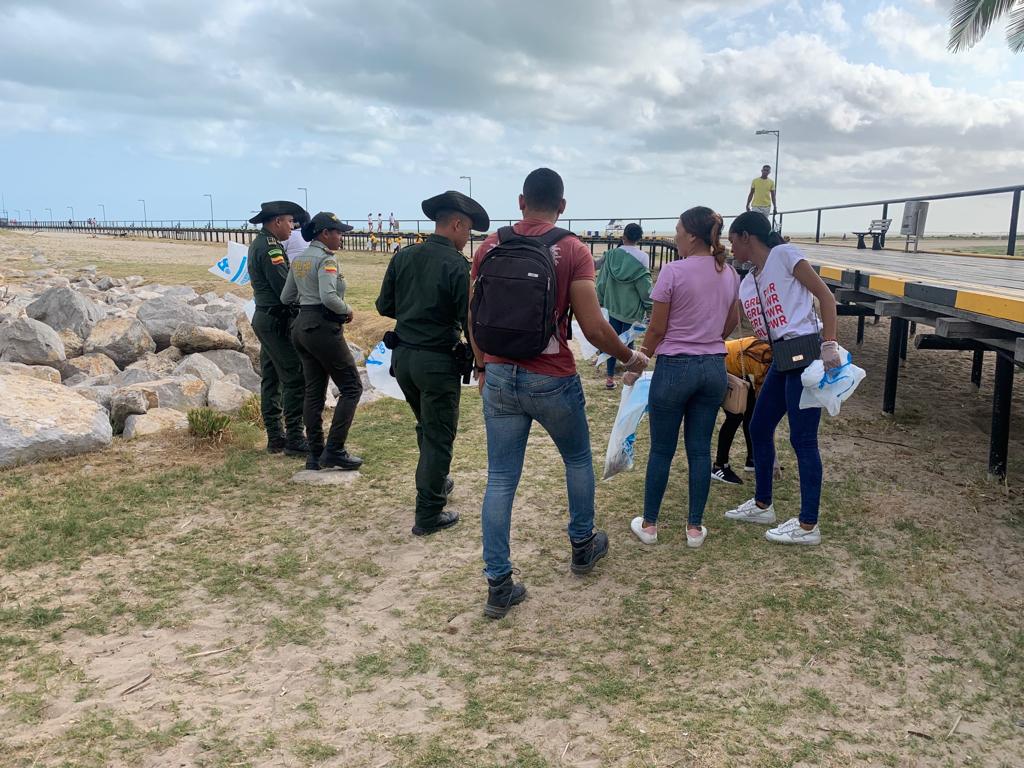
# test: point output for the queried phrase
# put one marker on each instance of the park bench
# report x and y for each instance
(877, 231)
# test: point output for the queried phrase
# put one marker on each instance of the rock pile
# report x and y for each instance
(84, 357)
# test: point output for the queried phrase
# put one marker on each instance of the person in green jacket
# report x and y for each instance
(624, 287)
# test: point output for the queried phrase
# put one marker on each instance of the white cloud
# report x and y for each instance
(900, 32)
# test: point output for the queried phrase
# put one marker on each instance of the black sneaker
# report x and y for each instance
(275, 444)
(445, 520)
(725, 474)
(342, 459)
(502, 594)
(449, 485)
(297, 449)
(586, 553)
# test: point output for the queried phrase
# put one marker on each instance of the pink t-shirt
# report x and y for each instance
(700, 299)
(572, 262)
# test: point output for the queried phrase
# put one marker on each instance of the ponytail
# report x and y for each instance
(717, 249)
(706, 224)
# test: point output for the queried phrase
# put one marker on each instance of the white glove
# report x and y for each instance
(629, 378)
(638, 362)
(830, 355)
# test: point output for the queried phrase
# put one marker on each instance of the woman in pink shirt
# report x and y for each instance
(695, 308)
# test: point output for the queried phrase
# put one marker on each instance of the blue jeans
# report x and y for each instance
(687, 390)
(620, 328)
(513, 399)
(780, 395)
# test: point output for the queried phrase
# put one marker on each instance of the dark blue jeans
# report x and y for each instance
(620, 328)
(513, 399)
(686, 390)
(780, 396)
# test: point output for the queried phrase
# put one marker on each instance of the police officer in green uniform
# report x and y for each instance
(282, 384)
(317, 284)
(426, 289)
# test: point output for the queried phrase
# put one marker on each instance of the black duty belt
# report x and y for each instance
(320, 309)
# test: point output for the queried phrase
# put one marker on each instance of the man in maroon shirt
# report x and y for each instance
(546, 389)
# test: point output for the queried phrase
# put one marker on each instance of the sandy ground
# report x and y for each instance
(522, 692)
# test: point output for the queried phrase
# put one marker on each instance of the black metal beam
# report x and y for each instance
(1000, 440)
(941, 343)
(976, 366)
(897, 327)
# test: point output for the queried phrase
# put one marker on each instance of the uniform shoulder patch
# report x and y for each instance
(330, 265)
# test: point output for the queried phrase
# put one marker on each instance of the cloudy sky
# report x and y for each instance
(646, 107)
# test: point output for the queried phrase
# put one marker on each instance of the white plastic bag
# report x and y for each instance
(621, 443)
(378, 371)
(234, 266)
(587, 350)
(829, 389)
(627, 337)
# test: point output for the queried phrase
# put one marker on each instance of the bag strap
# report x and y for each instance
(506, 233)
(553, 235)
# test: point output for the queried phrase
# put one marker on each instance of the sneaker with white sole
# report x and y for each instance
(637, 526)
(790, 532)
(723, 473)
(749, 512)
(694, 541)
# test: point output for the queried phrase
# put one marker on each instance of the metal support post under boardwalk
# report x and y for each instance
(897, 332)
(1000, 440)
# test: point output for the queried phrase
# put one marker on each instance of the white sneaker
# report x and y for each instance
(637, 526)
(790, 532)
(749, 512)
(695, 541)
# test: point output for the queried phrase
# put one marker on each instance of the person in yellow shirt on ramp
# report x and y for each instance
(762, 194)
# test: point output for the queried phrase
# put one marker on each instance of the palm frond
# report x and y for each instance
(969, 20)
(1015, 29)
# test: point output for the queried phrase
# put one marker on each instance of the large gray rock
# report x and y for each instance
(100, 394)
(42, 372)
(41, 420)
(237, 363)
(92, 364)
(180, 392)
(31, 342)
(250, 342)
(201, 367)
(66, 309)
(154, 421)
(159, 364)
(198, 338)
(122, 339)
(163, 315)
(226, 396)
(73, 343)
(127, 402)
(225, 318)
(131, 376)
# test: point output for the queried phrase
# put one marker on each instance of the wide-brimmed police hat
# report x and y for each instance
(280, 208)
(456, 201)
(320, 222)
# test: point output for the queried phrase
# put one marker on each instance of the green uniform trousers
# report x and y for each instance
(281, 371)
(325, 355)
(432, 387)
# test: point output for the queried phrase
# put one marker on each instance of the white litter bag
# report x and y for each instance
(627, 337)
(234, 266)
(632, 407)
(378, 371)
(587, 350)
(829, 389)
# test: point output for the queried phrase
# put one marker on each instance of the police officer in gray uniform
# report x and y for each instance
(316, 282)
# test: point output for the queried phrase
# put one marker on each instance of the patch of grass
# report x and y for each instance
(207, 426)
(314, 751)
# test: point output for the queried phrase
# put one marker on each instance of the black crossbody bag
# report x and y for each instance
(789, 354)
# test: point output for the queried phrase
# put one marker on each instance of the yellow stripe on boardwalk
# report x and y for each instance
(892, 286)
(992, 306)
(831, 273)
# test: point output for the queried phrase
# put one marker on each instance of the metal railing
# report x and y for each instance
(1014, 191)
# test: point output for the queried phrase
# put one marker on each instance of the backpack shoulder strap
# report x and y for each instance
(553, 235)
(506, 233)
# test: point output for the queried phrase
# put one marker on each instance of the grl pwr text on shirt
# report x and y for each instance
(773, 311)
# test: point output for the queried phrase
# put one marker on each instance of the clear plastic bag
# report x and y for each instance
(830, 389)
(622, 442)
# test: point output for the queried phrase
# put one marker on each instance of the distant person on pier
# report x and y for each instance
(380, 222)
(762, 194)
(392, 223)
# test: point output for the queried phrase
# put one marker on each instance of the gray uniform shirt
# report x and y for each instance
(314, 278)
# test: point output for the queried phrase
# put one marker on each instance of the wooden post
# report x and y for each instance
(1000, 440)
(860, 330)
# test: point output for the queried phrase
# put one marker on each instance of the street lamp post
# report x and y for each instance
(144, 216)
(775, 175)
(103, 208)
(207, 194)
(305, 192)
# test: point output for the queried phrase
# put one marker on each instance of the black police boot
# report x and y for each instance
(313, 457)
(338, 457)
(586, 553)
(449, 485)
(502, 594)
(296, 448)
(444, 520)
(275, 444)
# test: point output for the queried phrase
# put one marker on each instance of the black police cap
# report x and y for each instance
(456, 201)
(280, 208)
(320, 222)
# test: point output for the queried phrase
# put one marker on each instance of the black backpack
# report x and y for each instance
(515, 295)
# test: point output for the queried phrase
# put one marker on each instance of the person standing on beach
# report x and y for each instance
(762, 194)
(282, 385)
